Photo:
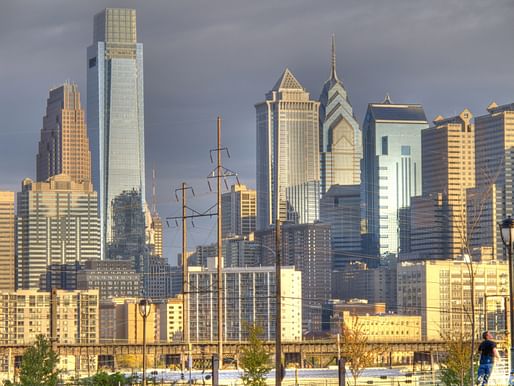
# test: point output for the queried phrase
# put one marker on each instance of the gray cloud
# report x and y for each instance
(204, 58)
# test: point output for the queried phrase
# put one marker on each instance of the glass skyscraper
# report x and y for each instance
(287, 154)
(340, 134)
(392, 171)
(116, 115)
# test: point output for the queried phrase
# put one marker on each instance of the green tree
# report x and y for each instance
(456, 369)
(103, 379)
(38, 365)
(255, 360)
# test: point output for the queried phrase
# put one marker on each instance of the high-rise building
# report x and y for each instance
(287, 154)
(7, 242)
(493, 198)
(440, 292)
(239, 211)
(111, 278)
(249, 295)
(27, 314)
(341, 208)
(448, 168)
(116, 113)
(57, 223)
(307, 247)
(391, 170)
(64, 144)
(340, 135)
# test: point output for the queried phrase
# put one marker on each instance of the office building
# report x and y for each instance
(307, 247)
(161, 280)
(440, 292)
(57, 224)
(129, 322)
(7, 242)
(249, 295)
(358, 280)
(60, 276)
(492, 200)
(112, 278)
(340, 207)
(340, 134)
(287, 154)
(115, 108)
(391, 171)
(64, 144)
(171, 319)
(448, 159)
(27, 314)
(238, 208)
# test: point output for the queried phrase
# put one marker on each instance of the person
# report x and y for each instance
(488, 355)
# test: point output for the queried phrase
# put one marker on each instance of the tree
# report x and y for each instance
(104, 379)
(457, 368)
(38, 365)
(355, 349)
(255, 361)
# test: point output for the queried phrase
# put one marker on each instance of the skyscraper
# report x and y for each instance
(64, 144)
(7, 241)
(287, 154)
(116, 113)
(392, 170)
(57, 224)
(448, 165)
(340, 135)
(239, 211)
(493, 198)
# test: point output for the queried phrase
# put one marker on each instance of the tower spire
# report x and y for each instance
(333, 72)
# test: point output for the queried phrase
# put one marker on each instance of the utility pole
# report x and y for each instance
(278, 320)
(186, 336)
(220, 254)
(218, 173)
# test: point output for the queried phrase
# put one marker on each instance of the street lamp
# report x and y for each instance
(144, 311)
(507, 235)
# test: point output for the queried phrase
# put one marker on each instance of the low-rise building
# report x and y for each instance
(171, 323)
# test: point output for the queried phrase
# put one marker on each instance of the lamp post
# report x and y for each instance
(507, 235)
(144, 311)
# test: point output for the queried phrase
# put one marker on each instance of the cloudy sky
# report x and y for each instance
(209, 57)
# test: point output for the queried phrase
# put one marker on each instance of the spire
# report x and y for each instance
(333, 72)
(387, 100)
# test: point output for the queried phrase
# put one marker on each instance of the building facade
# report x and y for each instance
(57, 223)
(391, 171)
(287, 154)
(115, 110)
(238, 208)
(27, 314)
(440, 292)
(111, 278)
(7, 242)
(171, 319)
(340, 207)
(448, 164)
(249, 295)
(340, 135)
(64, 144)
(493, 198)
(308, 248)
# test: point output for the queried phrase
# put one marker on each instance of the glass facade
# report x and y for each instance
(287, 155)
(116, 115)
(392, 171)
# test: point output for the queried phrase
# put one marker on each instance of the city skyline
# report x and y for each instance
(370, 64)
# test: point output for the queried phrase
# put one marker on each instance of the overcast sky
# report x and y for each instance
(210, 57)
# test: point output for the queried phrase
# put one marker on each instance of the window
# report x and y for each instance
(92, 62)
(385, 145)
(405, 150)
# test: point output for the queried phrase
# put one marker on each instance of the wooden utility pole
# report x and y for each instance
(220, 254)
(278, 321)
